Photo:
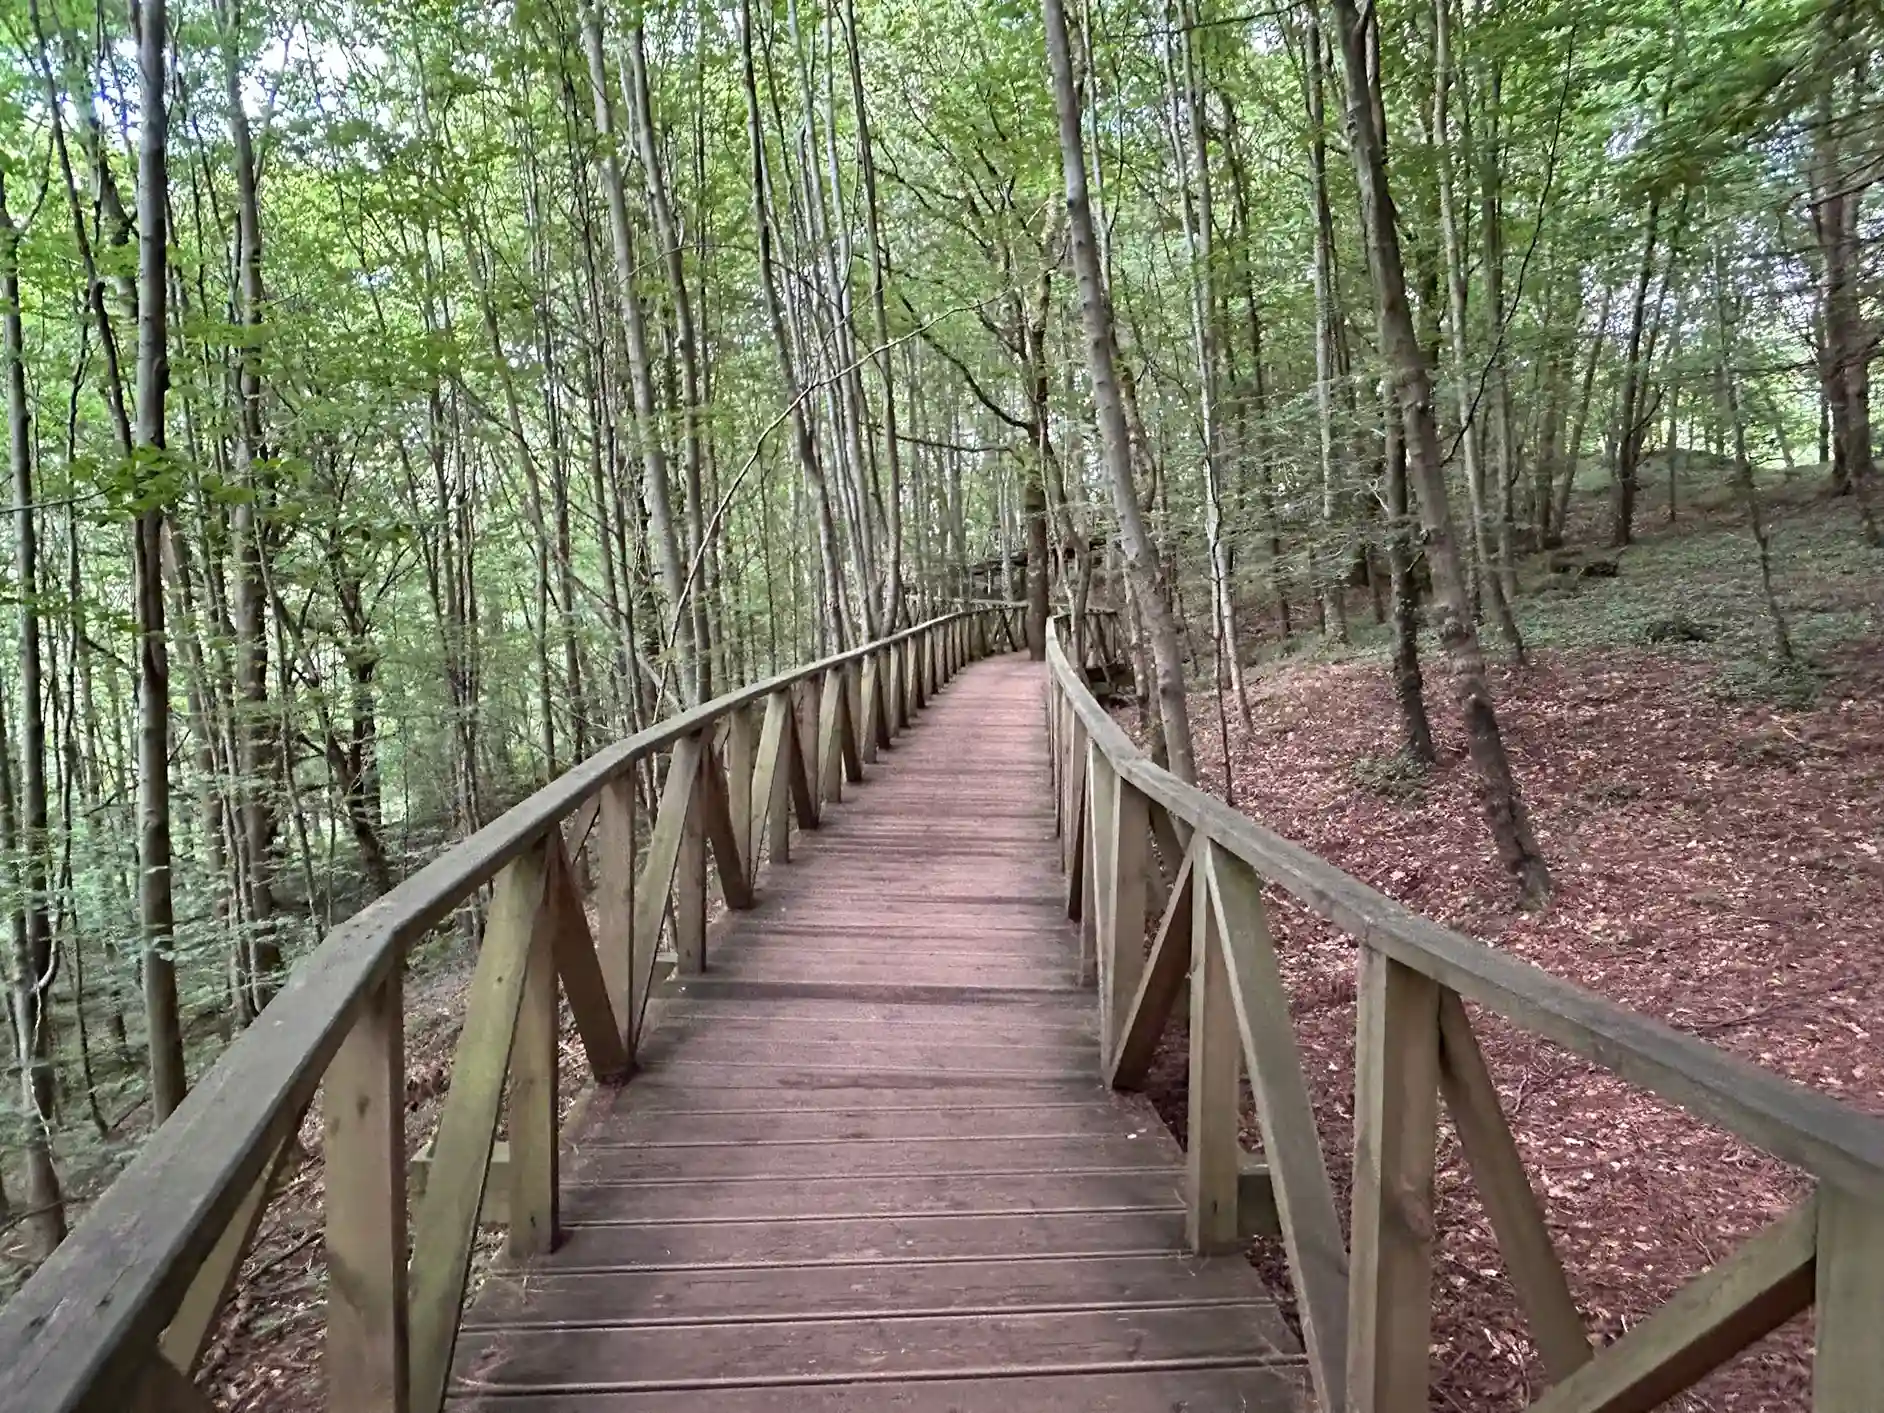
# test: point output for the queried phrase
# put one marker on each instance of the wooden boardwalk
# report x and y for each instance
(869, 1163)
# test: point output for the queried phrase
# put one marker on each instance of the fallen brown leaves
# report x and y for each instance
(1716, 867)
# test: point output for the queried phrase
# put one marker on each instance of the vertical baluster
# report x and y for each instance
(1396, 1113)
(613, 858)
(1848, 1372)
(848, 732)
(531, 1103)
(771, 783)
(1211, 1154)
(830, 773)
(363, 1111)
(690, 877)
(1073, 789)
(870, 716)
(1127, 849)
(741, 752)
(1102, 803)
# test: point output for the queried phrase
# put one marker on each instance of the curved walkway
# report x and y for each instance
(868, 1163)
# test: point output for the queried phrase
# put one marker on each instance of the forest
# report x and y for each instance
(406, 399)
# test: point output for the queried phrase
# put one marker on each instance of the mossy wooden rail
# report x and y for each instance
(119, 1316)
(1365, 1308)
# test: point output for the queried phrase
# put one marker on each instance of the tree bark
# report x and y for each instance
(32, 963)
(1406, 363)
(156, 912)
(640, 359)
(1141, 557)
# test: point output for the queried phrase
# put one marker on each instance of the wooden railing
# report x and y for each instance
(1365, 1305)
(119, 1316)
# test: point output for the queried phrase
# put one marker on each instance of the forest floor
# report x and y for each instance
(1713, 825)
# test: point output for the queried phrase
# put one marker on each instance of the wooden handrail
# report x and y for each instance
(1365, 1311)
(84, 1331)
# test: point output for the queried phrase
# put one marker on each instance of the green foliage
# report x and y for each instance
(1393, 775)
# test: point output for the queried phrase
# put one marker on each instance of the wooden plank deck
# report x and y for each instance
(870, 1164)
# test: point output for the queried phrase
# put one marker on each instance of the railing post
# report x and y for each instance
(740, 753)
(830, 772)
(1124, 848)
(363, 1138)
(1396, 1111)
(1848, 1371)
(667, 843)
(1212, 1156)
(1099, 803)
(1053, 749)
(615, 902)
(1073, 789)
(690, 878)
(531, 1103)
(771, 783)
(869, 709)
(445, 1227)
(851, 698)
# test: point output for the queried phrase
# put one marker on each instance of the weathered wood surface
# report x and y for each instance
(867, 1162)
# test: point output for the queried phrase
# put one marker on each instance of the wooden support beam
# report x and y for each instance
(189, 1329)
(591, 1005)
(446, 1224)
(166, 1389)
(658, 872)
(576, 837)
(1396, 1117)
(690, 872)
(1123, 851)
(716, 823)
(1102, 796)
(769, 784)
(1704, 1324)
(1212, 1158)
(830, 738)
(363, 1142)
(1498, 1173)
(800, 771)
(741, 758)
(1848, 1374)
(1256, 1200)
(613, 861)
(1311, 1231)
(1158, 986)
(530, 1105)
(495, 1209)
(848, 735)
(1080, 817)
(870, 733)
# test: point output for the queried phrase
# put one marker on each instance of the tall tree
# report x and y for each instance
(1141, 558)
(1406, 365)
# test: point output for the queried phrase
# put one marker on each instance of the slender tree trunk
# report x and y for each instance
(1327, 560)
(1464, 388)
(1141, 555)
(667, 231)
(1406, 363)
(156, 913)
(1201, 219)
(1633, 421)
(802, 441)
(640, 358)
(1726, 329)
(1409, 688)
(256, 748)
(25, 850)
